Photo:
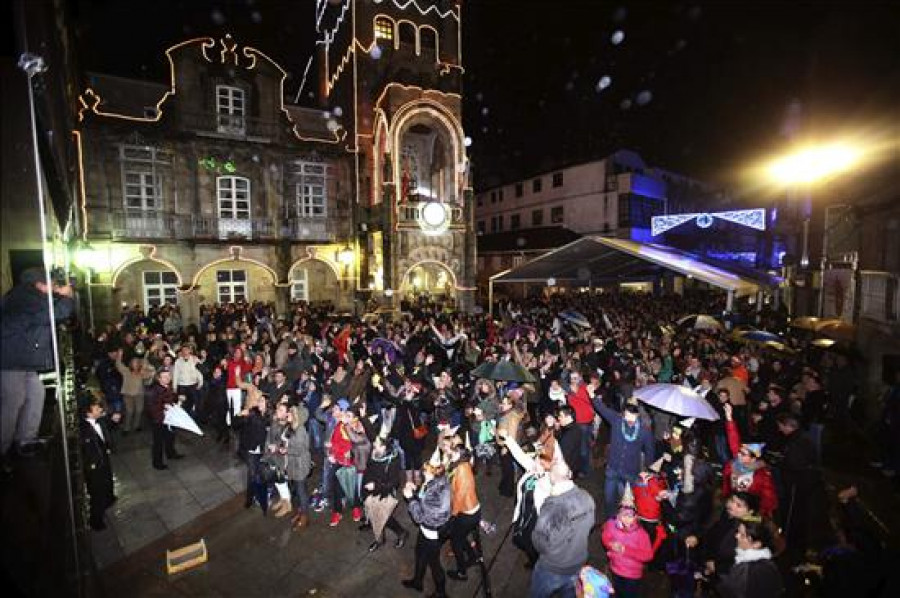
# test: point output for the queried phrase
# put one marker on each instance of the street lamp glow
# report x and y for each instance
(814, 163)
(345, 256)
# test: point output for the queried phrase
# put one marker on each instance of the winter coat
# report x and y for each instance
(464, 497)
(580, 401)
(157, 399)
(570, 444)
(384, 473)
(638, 550)
(561, 532)
(25, 343)
(757, 482)
(253, 431)
(430, 507)
(299, 461)
(362, 448)
(625, 456)
(754, 576)
(341, 449)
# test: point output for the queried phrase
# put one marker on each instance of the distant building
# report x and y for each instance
(212, 187)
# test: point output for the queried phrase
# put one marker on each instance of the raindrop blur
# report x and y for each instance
(326, 115)
(217, 17)
(604, 82)
(479, 96)
(256, 16)
(467, 141)
(584, 273)
(570, 86)
(338, 111)
(694, 13)
(618, 37)
(625, 104)
(680, 45)
(520, 242)
(255, 158)
(619, 14)
(484, 129)
(644, 97)
(485, 111)
(332, 125)
(375, 52)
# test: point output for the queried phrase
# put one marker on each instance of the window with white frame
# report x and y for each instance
(311, 190)
(231, 107)
(300, 285)
(141, 180)
(231, 285)
(233, 193)
(160, 287)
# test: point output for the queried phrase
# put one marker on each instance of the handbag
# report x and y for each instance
(419, 432)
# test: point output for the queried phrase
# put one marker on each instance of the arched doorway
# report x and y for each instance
(315, 281)
(429, 279)
(147, 283)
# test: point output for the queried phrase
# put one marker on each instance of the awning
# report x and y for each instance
(597, 260)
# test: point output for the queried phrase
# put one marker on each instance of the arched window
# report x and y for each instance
(384, 29)
(428, 41)
(406, 31)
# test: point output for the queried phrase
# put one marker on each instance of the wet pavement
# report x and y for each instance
(201, 496)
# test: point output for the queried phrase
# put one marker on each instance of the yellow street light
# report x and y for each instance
(814, 163)
(345, 256)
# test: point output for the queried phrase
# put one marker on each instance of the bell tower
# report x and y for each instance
(391, 72)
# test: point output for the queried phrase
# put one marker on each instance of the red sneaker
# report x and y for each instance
(335, 519)
(357, 514)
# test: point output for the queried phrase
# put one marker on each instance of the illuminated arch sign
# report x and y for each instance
(755, 218)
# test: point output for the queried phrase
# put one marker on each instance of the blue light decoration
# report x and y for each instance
(755, 218)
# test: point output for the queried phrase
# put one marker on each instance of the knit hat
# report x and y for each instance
(755, 448)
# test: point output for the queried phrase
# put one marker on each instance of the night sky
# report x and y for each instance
(700, 88)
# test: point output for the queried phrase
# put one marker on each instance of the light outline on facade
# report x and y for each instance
(151, 257)
(754, 218)
(237, 255)
(404, 285)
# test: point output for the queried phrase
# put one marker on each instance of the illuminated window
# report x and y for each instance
(384, 29)
(230, 109)
(537, 217)
(520, 189)
(311, 190)
(557, 179)
(536, 185)
(159, 288)
(234, 197)
(556, 215)
(231, 285)
(141, 180)
(299, 285)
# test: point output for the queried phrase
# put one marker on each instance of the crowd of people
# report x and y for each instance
(356, 417)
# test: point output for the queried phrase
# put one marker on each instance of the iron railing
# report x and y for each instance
(230, 125)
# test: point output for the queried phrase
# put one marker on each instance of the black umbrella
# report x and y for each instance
(484, 370)
(508, 371)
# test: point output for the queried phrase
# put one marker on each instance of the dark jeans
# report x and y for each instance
(393, 525)
(299, 495)
(585, 449)
(613, 487)
(252, 460)
(545, 584)
(428, 554)
(626, 588)
(163, 439)
(463, 525)
(191, 398)
(507, 474)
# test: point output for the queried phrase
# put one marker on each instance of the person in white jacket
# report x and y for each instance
(187, 379)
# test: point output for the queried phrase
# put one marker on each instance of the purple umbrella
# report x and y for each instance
(518, 329)
(389, 348)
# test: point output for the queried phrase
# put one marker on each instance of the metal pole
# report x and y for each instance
(32, 65)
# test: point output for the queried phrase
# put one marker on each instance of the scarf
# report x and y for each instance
(750, 555)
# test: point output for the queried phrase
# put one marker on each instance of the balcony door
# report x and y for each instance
(233, 193)
(142, 191)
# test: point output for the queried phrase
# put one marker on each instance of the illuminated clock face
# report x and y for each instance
(434, 217)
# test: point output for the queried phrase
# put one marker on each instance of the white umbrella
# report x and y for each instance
(177, 417)
(677, 399)
(700, 322)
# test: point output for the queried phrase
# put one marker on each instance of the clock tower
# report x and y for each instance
(390, 73)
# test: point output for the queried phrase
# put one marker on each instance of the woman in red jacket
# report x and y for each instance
(340, 454)
(747, 472)
(237, 367)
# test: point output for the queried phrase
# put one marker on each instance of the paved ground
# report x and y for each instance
(155, 503)
(251, 555)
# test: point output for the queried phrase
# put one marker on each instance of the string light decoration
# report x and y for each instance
(755, 218)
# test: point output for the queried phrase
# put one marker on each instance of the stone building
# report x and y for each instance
(212, 188)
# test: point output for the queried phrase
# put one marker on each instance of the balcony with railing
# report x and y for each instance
(133, 226)
(230, 125)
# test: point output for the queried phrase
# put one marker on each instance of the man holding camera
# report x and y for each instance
(25, 350)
